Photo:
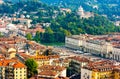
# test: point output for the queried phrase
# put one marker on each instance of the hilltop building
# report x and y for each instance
(23, 21)
(84, 14)
(1, 1)
(117, 23)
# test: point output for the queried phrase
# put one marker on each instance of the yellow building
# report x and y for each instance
(41, 60)
(103, 73)
(45, 60)
(12, 69)
(98, 70)
(61, 62)
(117, 72)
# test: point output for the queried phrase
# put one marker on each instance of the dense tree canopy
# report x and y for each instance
(63, 24)
(107, 7)
(32, 66)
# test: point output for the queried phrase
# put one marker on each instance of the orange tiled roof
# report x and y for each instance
(40, 57)
(48, 73)
(50, 67)
(117, 68)
(45, 57)
(52, 78)
(12, 62)
(59, 61)
(80, 59)
(101, 66)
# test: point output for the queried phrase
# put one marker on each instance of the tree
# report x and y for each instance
(47, 52)
(66, 32)
(29, 36)
(1, 34)
(37, 36)
(31, 66)
(48, 38)
(49, 30)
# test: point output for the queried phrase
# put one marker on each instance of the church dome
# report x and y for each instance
(11, 27)
(11, 50)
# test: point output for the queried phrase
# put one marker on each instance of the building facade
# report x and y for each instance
(12, 69)
(96, 45)
(98, 70)
(77, 63)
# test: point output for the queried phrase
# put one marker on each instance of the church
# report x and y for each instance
(84, 14)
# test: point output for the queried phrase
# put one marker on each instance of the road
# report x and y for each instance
(65, 51)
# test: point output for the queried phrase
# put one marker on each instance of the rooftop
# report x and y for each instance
(102, 65)
(50, 67)
(47, 73)
(12, 62)
(80, 59)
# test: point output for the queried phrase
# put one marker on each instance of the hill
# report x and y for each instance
(111, 8)
(61, 23)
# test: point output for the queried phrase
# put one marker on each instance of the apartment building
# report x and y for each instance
(98, 70)
(61, 62)
(12, 69)
(41, 60)
(117, 72)
(77, 63)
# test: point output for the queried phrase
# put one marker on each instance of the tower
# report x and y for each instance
(80, 11)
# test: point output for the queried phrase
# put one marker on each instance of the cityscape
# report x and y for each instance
(60, 39)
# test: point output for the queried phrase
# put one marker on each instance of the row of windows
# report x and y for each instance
(20, 71)
(19, 68)
(21, 78)
(20, 75)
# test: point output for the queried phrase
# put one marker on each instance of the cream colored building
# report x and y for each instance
(98, 47)
(84, 14)
(115, 55)
(12, 69)
(86, 74)
(90, 44)
(25, 21)
(75, 41)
